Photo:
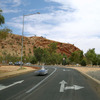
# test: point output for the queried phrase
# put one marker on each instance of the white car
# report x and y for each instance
(10, 63)
(28, 63)
(42, 71)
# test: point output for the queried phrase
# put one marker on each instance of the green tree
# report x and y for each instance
(91, 56)
(83, 62)
(1, 58)
(4, 32)
(52, 47)
(98, 59)
(38, 53)
(7, 30)
(76, 57)
(33, 60)
(45, 56)
(59, 58)
(2, 19)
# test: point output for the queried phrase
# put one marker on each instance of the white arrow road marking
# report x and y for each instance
(62, 87)
(74, 87)
(64, 70)
(4, 87)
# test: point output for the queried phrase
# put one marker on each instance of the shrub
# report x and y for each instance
(34, 60)
(2, 46)
(83, 63)
(4, 33)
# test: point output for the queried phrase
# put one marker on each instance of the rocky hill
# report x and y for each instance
(12, 45)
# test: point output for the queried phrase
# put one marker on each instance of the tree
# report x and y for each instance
(2, 19)
(38, 53)
(91, 56)
(98, 59)
(59, 58)
(33, 60)
(52, 47)
(45, 56)
(48, 56)
(1, 58)
(76, 57)
(83, 62)
(4, 32)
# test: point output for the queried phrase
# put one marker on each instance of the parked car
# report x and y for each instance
(18, 63)
(10, 63)
(28, 63)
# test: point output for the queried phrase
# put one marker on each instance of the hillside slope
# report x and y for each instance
(12, 45)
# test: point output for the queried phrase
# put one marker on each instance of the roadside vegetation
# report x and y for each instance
(4, 33)
(2, 19)
(49, 56)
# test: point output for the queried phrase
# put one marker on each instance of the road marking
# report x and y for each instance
(4, 87)
(74, 87)
(41, 82)
(62, 87)
(66, 70)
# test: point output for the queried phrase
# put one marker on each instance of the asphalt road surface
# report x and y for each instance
(60, 84)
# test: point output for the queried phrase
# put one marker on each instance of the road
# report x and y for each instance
(60, 84)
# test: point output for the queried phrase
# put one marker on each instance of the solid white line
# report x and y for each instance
(40, 82)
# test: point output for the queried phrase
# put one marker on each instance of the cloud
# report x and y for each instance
(16, 3)
(11, 11)
(76, 22)
(10, 6)
(11, 3)
(83, 28)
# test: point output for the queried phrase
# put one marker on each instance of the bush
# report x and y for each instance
(83, 63)
(34, 60)
(4, 33)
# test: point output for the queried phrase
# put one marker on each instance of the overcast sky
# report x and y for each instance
(69, 21)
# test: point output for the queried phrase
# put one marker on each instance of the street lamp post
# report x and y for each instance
(22, 36)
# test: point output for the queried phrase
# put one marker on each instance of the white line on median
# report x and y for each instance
(40, 82)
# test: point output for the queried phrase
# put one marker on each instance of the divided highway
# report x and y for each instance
(60, 84)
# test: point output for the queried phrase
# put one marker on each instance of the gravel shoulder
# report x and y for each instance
(94, 74)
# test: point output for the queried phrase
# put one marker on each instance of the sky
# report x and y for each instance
(68, 21)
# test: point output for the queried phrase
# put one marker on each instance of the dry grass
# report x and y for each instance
(9, 68)
(9, 71)
(85, 69)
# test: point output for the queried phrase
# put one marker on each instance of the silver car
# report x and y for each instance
(42, 71)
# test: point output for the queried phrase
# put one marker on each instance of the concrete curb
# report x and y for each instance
(93, 82)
